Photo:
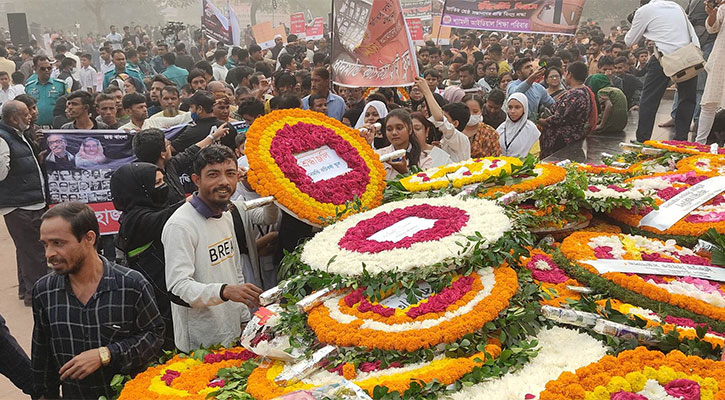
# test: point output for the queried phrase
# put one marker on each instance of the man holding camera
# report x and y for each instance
(665, 23)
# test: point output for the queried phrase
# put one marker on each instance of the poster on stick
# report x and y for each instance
(415, 26)
(316, 29)
(420, 9)
(440, 34)
(372, 46)
(264, 33)
(298, 25)
(215, 24)
(533, 16)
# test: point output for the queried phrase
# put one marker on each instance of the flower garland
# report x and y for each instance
(560, 350)
(184, 377)
(405, 235)
(273, 142)
(663, 187)
(641, 372)
(546, 175)
(598, 169)
(681, 146)
(703, 164)
(460, 174)
(699, 296)
(334, 322)
(261, 384)
(552, 280)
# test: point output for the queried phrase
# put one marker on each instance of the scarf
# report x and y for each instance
(379, 106)
(517, 137)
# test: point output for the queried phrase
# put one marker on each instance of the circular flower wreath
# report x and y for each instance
(184, 377)
(699, 296)
(462, 308)
(546, 175)
(345, 247)
(460, 174)
(261, 384)
(663, 187)
(703, 164)
(681, 146)
(274, 140)
(641, 374)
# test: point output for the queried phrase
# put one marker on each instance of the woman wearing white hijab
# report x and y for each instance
(374, 111)
(518, 136)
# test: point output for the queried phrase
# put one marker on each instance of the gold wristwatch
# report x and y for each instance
(105, 355)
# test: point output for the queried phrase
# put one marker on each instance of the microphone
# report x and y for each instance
(376, 126)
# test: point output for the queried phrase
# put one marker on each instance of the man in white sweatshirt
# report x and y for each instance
(205, 258)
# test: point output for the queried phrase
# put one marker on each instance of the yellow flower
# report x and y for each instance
(636, 380)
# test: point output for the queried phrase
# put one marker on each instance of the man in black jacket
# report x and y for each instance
(22, 196)
(201, 106)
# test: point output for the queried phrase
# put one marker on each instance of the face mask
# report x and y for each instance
(475, 120)
(195, 117)
(160, 195)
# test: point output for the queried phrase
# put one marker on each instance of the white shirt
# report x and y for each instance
(665, 23)
(106, 67)
(10, 93)
(219, 72)
(5, 170)
(160, 122)
(115, 39)
(201, 255)
(453, 142)
(88, 77)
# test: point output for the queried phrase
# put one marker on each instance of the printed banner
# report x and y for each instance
(683, 203)
(535, 16)
(415, 27)
(658, 268)
(420, 9)
(264, 34)
(316, 29)
(214, 23)
(79, 165)
(297, 24)
(372, 45)
(235, 28)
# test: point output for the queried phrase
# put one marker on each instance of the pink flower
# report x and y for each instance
(395, 364)
(709, 217)
(449, 220)
(243, 355)
(655, 257)
(669, 192)
(440, 301)
(169, 376)
(701, 284)
(684, 389)
(354, 297)
(529, 396)
(695, 260)
(216, 383)
(337, 370)
(467, 173)
(622, 395)
(370, 366)
(593, 189)
(552, 274)
(617, 188)
(603, 252)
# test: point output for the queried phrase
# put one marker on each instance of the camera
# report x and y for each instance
(172, 29)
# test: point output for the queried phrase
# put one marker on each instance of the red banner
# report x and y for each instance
(297, 24)
(316, 29)
(372, 45)
(415, 26)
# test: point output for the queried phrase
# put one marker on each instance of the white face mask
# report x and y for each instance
(475, 120)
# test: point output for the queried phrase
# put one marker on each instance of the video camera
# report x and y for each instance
(630, 17)
(173, 28)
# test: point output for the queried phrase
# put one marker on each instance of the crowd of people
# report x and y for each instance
(197, 263)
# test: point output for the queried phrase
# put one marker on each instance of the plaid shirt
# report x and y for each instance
(122, 315)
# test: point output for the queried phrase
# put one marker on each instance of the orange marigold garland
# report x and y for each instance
(275, 140)
(184, 377)
(261, 384)
(680, 146)
(491, 293)
(546, 174)
(664, 186)
(703, 164)
(640, 371)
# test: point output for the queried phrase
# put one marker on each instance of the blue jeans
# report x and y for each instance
(701, 79)
(655, 84)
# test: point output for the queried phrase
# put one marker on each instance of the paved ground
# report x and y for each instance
(20, 320)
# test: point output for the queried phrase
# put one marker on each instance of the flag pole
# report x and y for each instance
(331, 22)
(438, 35)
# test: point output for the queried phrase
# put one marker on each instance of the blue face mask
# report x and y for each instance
(195, 117)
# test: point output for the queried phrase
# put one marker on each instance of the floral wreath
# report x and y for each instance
(261, 384)
(698, 296)
(663, 187)
(361, 242)
(703, 164)
(546, 175)
(460, 174)
(274, 140)
(184, 377)
(641, 374)
(681, 146)
(462, 308)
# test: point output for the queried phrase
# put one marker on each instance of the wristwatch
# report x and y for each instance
(211, 136)
(105, 355)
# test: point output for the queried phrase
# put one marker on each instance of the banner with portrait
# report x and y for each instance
(79, 165)
(530, 16)
(372, 46)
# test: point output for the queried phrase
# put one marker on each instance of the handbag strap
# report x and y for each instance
(239, 229)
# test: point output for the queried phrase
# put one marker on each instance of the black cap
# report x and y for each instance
(202, 98)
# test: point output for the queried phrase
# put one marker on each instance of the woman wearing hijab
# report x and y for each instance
(140, 193)
(373, 112)
(518, 136)
(573, 116)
